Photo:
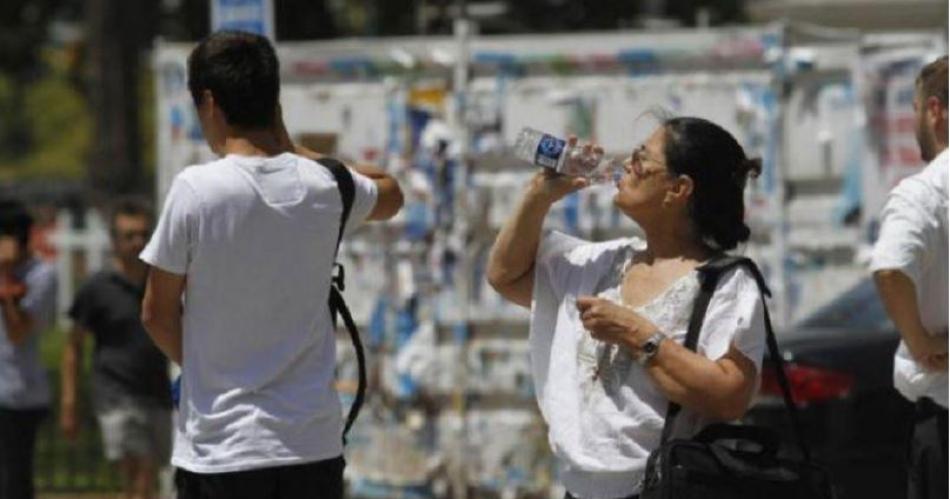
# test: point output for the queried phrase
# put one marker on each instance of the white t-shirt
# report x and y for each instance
(603, 428)
(914, 240)
(255, 238)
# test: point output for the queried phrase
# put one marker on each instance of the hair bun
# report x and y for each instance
(751, 167)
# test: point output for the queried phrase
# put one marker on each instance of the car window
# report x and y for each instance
(860, 306)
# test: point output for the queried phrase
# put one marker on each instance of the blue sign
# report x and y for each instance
(252, 16)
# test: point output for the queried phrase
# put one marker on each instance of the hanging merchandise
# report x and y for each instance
(395, 459)
(406, 322)
(417, 120)
(353, 112)
(406, 325)
(416, 361)
(848, 210)
(418, 218)
(417, 211)
(377, 323)
(396, 119)
(445, 172)
(405, 289)
(483, 114)
(364, 263)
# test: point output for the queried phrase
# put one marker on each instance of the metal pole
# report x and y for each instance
(462, 30)
(780, 230)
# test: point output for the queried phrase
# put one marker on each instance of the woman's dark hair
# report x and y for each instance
(242, 73)
(15, 221)
(719, 168)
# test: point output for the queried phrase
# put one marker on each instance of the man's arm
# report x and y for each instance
(389, 198)
(899, 296)
(162, 309)
(70, 364)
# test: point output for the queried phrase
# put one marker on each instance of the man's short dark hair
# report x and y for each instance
(242, 73)
(130, 206)
(15, 220)
(932, 81)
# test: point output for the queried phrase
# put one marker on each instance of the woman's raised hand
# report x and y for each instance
(550, 187)
(582, 161)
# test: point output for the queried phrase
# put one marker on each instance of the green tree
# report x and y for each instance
(58, 127)
(43, 115)
(23, 27)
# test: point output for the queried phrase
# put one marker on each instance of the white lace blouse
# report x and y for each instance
(603, 411)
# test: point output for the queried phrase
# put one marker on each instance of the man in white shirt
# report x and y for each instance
(910, 266)
(241, 258)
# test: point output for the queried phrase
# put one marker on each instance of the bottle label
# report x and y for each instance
(549, 151)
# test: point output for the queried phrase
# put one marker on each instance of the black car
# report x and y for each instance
(840, 365)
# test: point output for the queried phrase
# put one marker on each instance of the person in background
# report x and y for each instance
(241, 262)
(27, 308)
(608, 319)
(131, 396)
(910, 266)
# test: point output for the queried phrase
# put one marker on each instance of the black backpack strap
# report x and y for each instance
(709, 278)
(337, 304)
(347, 188)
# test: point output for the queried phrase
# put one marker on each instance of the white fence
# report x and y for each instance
(79, 253)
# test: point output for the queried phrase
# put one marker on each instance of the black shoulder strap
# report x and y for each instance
(347, 188)
(709, 278)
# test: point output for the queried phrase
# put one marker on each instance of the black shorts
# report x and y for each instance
(318, 480)
(927, 476)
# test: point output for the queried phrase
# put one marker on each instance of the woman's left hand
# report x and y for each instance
(612, 323)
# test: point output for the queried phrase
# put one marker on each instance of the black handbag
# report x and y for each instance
(706, 466)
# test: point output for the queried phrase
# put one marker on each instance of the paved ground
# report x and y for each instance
(77, 496)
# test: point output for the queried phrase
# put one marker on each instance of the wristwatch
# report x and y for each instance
(650, 347)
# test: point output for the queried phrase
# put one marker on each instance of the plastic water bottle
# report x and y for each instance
(547, 151)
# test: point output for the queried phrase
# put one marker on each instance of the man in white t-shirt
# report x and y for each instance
(910, 266)
(237, 295)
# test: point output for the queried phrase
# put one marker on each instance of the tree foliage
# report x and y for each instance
(55, 123)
